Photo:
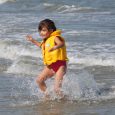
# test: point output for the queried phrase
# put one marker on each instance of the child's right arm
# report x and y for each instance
(29, 38)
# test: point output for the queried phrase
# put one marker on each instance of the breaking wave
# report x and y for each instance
(4, 1)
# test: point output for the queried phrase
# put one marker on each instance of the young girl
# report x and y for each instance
(54, 55)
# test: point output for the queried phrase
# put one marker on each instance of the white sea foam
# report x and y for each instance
(67, 8)
(25, 65)
(4, 1)
(86, 32)
(14, 49)
(89, 55)
(26, 58)
(92, 61)
(48, 4)
(73, 8)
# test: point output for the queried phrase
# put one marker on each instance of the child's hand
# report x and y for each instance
(52, 49)
(29, 38)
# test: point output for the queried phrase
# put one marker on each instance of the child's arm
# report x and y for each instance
(29, 38)
(59, 43)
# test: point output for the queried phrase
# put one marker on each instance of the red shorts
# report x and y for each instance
(56, 65)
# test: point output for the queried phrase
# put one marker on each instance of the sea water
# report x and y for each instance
(88, 27)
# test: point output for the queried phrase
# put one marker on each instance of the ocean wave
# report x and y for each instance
(87, 32)
(91, 54)
(4, 64)
(13, 49)
(73, 9)
(4, 1)
(64, 8)
(67, 8)
(95, 61)
(26, 65)
(31, 66)
(86, 55)
(48, 4)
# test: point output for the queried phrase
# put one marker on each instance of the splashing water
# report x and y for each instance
(76, 87)
(81, 85)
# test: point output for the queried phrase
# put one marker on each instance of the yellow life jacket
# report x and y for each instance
(53, 56)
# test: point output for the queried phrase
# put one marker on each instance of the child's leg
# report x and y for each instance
(58, 79)
(46, 73)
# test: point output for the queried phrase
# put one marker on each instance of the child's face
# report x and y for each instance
(45, 33)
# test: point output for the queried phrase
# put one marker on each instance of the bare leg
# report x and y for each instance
(58, 80)
(45, 74)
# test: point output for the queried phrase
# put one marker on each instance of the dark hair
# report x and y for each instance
(49, 24)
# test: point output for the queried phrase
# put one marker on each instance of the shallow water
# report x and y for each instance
(89, 30)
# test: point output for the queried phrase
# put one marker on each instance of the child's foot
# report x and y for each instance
(46, 96)
(60, 95)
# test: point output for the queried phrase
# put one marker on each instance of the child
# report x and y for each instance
(54, 55)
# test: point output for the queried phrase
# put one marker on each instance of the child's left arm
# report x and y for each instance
(59, 43)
